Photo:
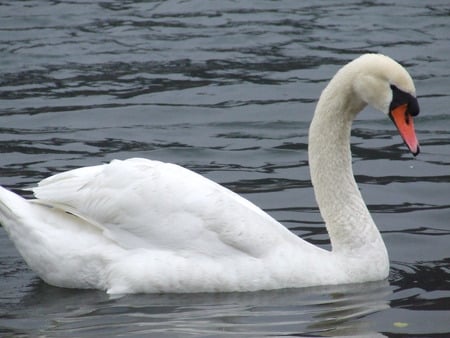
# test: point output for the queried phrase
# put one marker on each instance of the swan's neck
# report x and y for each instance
(347, 218)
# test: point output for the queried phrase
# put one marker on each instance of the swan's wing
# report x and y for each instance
(150, 204)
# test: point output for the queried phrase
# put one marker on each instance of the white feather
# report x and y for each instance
(146, 226)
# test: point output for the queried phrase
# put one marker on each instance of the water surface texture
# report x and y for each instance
(227, 89)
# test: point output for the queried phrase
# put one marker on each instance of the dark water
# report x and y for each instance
(227, 88)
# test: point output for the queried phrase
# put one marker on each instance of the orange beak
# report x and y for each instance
(405, 125)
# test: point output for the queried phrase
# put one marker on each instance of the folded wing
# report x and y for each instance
(154, 205)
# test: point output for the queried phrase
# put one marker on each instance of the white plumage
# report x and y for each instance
(146, 226)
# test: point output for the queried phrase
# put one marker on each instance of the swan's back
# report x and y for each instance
(154, 205)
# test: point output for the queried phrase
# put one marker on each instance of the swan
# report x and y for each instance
(143, 226)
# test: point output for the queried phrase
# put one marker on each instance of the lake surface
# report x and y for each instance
(227, 89)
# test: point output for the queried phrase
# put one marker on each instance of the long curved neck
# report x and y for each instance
(347, 218)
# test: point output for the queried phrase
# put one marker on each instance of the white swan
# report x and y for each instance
(146, 226)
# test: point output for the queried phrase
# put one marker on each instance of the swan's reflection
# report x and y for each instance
(320, 311)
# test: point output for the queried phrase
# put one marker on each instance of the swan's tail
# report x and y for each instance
(46, 236)
(18, 217)
(12, 209)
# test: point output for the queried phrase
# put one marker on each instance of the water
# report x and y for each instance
(228, 89)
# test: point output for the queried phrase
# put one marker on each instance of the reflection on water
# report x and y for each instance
(337, 310)
(228, 89)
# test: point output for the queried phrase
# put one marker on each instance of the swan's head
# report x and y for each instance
(385, 85)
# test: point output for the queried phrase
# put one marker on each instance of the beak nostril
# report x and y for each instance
(404, 122)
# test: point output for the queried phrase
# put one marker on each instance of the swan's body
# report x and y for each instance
(147, 226)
